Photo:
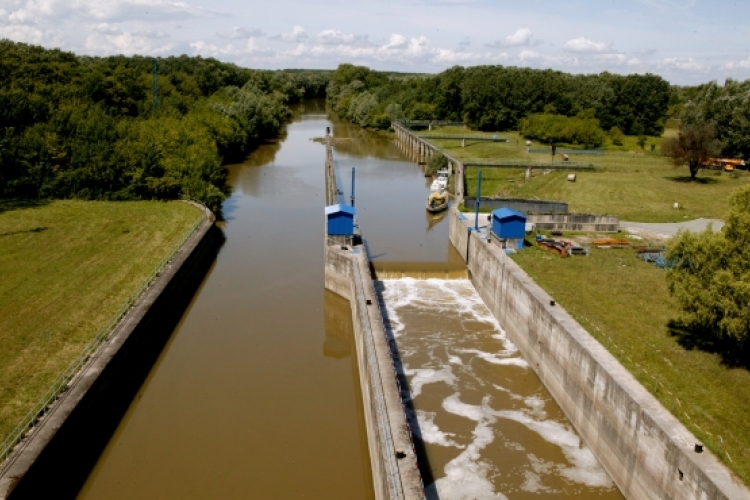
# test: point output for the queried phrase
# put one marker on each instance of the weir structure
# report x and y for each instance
(347, 273)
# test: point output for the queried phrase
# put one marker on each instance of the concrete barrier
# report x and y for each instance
(54, 460)
(648, 453)
(575, 222)
(520, 205)
(392, 457)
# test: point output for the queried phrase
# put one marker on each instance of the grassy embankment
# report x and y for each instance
(67, 267)
(634, 184)
(622, 301)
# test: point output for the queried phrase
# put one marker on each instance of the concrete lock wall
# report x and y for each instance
(54, 460)
(392, 456)
(646, 451)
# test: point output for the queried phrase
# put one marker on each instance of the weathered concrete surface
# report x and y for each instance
(55, 458)
(575, 222)
(392, 456)
(520, 205)
(646, 451)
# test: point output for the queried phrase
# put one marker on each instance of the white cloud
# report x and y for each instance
(241, 33)
(744, 64)
(523, 37)
(30, 34)
(298, 34)
(60, 11)
(335, 37)
(151, 34)
(396, 42)
(125, 43)
(681, 63)
(526, 55)
(583, 45)
(107, 29)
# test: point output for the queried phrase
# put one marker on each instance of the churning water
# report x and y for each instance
(488, 426)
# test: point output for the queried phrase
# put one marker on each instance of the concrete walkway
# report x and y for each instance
(668, 229)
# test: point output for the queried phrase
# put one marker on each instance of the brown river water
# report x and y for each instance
(256, 393)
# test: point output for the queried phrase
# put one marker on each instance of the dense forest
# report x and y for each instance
(497, 98)
(85, 127)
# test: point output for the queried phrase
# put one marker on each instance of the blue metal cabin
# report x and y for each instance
(508, 224)
(340, 220)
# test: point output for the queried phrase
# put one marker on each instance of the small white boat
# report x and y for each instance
(437, 201)
(440, 182)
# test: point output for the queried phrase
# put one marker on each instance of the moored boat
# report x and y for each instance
(437, 201)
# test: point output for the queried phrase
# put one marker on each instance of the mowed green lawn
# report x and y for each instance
(624, 303)
(634, 184)
(66, 268)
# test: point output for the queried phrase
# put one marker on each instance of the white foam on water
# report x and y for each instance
(423, 376)
(466, 476)
(536, 404)
(585, 468)
(431, 433)
(446, 357)
(497, 359)
(510, 393)
(533, 477)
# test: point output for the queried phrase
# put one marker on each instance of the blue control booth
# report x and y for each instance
(509, 225)
(340, 220)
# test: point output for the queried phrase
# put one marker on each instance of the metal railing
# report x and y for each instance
(63, 382)
(381, 412)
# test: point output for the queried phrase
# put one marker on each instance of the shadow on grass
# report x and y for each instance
(734, 353)
(686, 179)
(34, 230)
(10, 204)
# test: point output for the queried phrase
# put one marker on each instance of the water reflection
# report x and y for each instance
(338, 326)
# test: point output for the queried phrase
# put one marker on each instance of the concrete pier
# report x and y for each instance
(392, 456)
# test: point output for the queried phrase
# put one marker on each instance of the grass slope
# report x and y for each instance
(67, 267)
(634, 184)
(629, 317)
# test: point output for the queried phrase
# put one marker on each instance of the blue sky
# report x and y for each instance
(685, 41)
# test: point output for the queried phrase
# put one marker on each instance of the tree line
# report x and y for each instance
(88, 127)
(497, 98)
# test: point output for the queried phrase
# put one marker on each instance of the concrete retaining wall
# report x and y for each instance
(575, 222)
(57, 456)
(520, 205)
(646, 451)
(392, 457)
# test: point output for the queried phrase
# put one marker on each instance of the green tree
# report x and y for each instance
(694, 144)
(711, 283)
(616, 136)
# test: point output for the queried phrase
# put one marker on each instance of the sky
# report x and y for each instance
(685, 41)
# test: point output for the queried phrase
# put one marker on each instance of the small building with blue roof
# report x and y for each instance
(509, 226)
(340, 220)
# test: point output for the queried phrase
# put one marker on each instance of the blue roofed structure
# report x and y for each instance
(509, 224)
(340, 220)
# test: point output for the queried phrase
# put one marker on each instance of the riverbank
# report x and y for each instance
(67, 268)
